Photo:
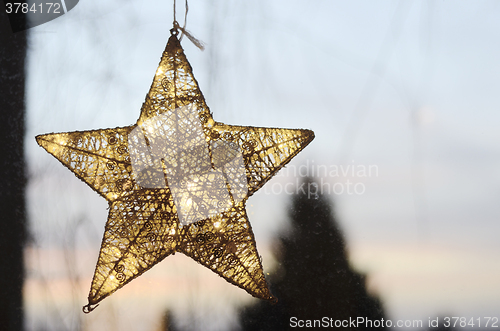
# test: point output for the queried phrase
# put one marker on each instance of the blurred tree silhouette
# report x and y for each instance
(314, 279)
(167, 322)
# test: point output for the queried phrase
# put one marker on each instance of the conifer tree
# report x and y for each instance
(314, 278)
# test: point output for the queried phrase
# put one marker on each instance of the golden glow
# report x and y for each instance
(143, 215)
(61, 140)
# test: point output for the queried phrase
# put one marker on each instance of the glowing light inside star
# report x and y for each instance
(176, 166)
(205, 178)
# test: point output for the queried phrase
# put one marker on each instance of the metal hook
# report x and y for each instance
(88, 308)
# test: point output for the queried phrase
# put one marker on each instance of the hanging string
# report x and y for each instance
(185, 20)
(175, 20)
(198, 43)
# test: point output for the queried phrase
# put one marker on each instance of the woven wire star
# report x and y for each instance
(176, 181)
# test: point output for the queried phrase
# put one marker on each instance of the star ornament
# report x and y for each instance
(176, 181)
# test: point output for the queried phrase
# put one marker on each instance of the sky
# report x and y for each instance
(401, 96)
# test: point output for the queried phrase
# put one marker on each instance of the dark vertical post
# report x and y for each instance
(12, 174)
